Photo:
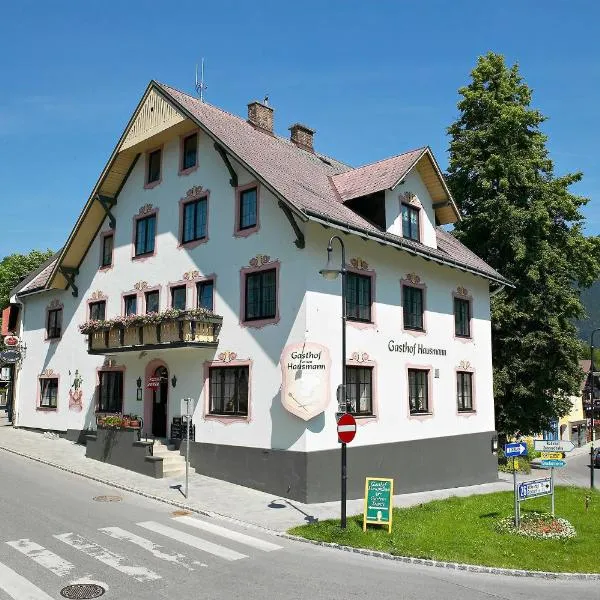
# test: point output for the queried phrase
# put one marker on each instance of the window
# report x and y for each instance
(153, 166)
(462, 317)
(178, 297)
(248, 209)
(190, 152)
(54, 323)
(412, 301)
(359, 390)
(418, 392)
(130, 305)
(464, 391)
(152, 302)
(410, 222)
(358, 297)
(145, 230)
(110, 391)
(228, 394)
(107, 250)
(98, 310)
(194, 220)
(48, 392)
(204, 292)
(261, 295)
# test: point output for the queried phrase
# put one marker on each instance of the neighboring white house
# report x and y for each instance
(193, 270)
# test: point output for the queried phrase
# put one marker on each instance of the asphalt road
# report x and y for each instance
(53, 533)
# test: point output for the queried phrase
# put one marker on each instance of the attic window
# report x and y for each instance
(371, 208)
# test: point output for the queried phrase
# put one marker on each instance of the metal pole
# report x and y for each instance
(516, 494)
(344, 477)
(552, 484)
(187, 448)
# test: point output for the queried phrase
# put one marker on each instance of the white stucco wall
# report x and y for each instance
(309, 310)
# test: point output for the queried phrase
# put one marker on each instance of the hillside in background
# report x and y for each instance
(591, 301)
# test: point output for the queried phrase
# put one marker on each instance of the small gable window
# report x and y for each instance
(98, 310)
(145, 231)
(190, 152)
(54, 323)
(153, 173)
(107, 250)
(410, 222)
(248, 209)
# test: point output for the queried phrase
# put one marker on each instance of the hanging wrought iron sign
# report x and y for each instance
(10, 356)
(11, 341)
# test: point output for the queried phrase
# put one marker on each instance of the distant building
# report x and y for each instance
(193, 271)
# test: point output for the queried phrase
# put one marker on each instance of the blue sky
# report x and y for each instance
(374, 78)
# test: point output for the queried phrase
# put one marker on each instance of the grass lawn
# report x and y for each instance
(462, 530)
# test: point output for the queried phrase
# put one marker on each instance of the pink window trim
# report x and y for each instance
(430, 412)
(54, 305)
(473, 411)
(461, 338)
(38, 402)
(136, 218)
(120, 368)
(421, 286)
(135, 293)
(177, 284)
(182, 203)
(154, 288)
(211, 277)
(103, 235)
(417, 206)
(357, 361)
(149, 186)
(224, 419)
(237, 232)
(103, 298)
(147, 393)
(182, 138)
(244, 272)
(372, 324)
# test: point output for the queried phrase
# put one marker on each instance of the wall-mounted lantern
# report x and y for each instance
(139, 389)
(174, 380)
(494, 444)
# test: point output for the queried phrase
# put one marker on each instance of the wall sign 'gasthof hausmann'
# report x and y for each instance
(305, 377)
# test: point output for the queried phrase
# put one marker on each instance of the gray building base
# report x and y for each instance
(415, 466)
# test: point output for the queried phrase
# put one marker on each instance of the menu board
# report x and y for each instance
(379, 493)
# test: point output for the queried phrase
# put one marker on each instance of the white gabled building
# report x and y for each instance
(194, 268)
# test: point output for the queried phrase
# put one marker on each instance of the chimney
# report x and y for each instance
(302, 136)
(260, 114)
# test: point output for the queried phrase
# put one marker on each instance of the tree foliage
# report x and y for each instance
(522, 219)
(14, 267)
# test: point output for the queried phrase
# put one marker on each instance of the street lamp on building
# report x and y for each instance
(330, 271)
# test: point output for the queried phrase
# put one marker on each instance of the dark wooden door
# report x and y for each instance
(159, 404)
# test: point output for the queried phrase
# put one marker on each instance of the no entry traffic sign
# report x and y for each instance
(346, 428)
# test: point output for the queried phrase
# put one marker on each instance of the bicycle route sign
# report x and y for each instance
(535, 488)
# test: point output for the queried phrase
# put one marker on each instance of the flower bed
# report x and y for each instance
(538, 525)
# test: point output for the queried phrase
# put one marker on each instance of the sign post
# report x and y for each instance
(514, 450)
(553, 451)
(187, 446)
(379, 495)
(346, 430)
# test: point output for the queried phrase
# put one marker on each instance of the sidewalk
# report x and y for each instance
(207, 495)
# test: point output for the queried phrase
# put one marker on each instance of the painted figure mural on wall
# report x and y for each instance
(305, 375)
(76, 393)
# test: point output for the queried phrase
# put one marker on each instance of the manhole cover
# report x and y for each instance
(82, 590)
(107, 499)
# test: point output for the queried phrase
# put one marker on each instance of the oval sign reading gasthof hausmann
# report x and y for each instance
(10, 356)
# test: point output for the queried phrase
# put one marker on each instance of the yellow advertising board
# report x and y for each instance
(552, 455)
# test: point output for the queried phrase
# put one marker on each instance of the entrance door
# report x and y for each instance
(159, 403)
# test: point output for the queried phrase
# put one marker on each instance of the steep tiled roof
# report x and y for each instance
(36, 279)
(381, 175)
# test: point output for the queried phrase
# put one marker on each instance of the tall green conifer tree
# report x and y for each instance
(522, 219)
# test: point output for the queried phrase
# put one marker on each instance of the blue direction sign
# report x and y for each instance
(535, 488)
(518, 449)
(553, 462)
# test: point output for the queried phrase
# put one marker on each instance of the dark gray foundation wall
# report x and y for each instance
(416, 465)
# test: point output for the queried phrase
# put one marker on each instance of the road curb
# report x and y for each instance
(374, 553)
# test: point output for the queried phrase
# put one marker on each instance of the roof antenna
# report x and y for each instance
(200, 85)
(266, 100)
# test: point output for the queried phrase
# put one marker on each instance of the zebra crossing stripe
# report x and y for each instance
(242, 538)
(59, 566)
(19, 588)
(107, 557)
(193, 541)
(155, 549)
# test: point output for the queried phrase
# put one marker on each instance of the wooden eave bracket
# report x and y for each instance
(234, 178)
(107, 203)
(299, 241)
(69, 273)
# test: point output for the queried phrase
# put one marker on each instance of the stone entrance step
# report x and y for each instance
(173, 461)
